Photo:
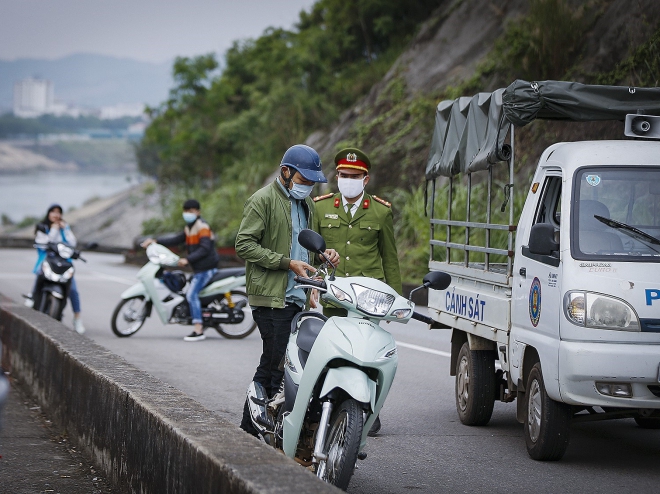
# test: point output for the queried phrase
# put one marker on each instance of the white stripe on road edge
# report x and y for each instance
(116, 279)
(423, 349)
(16, 276)
(83, 277)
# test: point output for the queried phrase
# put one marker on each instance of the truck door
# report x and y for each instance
(536, 304)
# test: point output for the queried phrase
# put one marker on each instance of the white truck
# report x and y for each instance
(569, 321)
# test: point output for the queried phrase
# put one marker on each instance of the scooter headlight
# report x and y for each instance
(401, 313)
(65, 251)
(593, 310)
(341, 295)
(372, 302)
(49, 274)
(67, 275)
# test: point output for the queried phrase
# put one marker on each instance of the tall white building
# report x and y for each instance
(33, 97)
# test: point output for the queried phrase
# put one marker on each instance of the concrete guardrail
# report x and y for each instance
(144, 434)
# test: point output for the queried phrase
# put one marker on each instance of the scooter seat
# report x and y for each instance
(308, 332)
(226, 273)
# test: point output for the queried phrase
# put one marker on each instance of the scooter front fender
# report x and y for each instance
(354, 381)
(136, 291)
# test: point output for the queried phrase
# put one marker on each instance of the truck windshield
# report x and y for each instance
(617, 214)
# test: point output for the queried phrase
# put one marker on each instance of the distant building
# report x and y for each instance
(33, 97)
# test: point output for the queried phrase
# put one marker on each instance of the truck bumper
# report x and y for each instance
(582, 364)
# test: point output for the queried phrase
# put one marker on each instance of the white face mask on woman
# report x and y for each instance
(350, 187)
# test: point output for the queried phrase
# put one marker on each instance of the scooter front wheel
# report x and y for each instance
(342, 445)
(50, 306)
(129, 316)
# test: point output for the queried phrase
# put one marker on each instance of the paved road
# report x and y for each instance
(422, 447)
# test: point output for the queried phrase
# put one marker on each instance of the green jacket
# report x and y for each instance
(264, 242)
(365, 242)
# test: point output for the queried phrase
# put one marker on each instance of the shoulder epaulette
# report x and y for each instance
(325, 196)
(382, 201)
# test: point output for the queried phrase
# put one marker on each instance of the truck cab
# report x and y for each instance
(587, 274)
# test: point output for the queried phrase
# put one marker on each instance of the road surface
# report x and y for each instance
(422, 446)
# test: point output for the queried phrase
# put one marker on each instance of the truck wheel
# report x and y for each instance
(475, 385)
(547, 423)
(648, 422)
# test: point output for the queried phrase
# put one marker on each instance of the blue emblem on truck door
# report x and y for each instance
(535, 302)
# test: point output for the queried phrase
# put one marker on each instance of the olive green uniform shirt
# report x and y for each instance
(365, 242)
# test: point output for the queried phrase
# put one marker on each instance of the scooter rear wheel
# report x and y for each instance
(242, 329)
(129, 316)
(342, 445)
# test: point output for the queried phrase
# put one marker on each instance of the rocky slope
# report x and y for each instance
(393, 123)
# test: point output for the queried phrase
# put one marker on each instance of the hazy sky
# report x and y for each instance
(147, 30)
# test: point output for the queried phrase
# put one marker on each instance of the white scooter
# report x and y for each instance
(337, 371)
(224, 306)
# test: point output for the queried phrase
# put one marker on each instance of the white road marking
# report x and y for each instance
(16, 276)
(84, 277)
(116, 279)
(423, 349)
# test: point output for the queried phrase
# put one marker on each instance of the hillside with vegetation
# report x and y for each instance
(370, 73)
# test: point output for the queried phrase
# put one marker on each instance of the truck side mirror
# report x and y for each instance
(542, 239)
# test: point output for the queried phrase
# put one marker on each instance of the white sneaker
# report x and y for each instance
(29, 303)
(78, 325)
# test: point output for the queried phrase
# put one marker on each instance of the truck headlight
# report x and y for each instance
(372, 302)
(594, 310)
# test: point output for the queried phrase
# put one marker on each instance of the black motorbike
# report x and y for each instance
(54, 281)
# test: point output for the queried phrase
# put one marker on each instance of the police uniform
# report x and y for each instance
(365, 240)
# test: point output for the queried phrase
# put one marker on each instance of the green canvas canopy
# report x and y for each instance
(470, 132)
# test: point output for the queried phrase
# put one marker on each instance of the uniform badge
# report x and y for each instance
(332, 216)
(365, 204)
(336, 202)
(351, 157)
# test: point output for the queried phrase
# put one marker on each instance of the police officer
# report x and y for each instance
(359, 227)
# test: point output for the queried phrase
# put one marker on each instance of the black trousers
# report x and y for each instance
(275, 328)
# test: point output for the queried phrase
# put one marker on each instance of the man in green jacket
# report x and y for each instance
(268, 242)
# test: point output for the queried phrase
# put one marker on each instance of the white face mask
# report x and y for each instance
(350, 188)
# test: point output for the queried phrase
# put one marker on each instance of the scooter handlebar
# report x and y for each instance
(422, 318)
(310, 281)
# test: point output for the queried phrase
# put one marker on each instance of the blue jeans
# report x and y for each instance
(74, 296)
(199, 281)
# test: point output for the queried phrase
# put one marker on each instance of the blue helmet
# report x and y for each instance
(305, 161)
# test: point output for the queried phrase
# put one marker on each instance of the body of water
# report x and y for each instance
(31, 194)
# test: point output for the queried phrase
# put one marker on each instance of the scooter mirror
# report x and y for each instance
(437, 280)
(311, 240)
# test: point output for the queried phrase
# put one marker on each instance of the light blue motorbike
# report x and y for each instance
(337, 371)
(224, 304)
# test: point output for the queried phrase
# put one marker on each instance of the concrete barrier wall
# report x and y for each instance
(146, 435)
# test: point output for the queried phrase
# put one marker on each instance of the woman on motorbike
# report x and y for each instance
(54, 229)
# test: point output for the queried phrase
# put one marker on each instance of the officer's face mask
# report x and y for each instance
(350, 187)
(300, 191)
(189, 217)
